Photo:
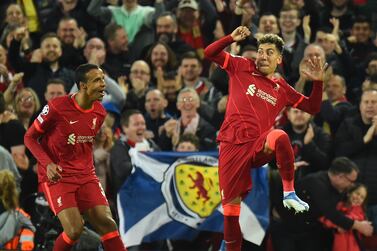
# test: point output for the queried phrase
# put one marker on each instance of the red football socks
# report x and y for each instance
(232, 233)
(63, 243)
(111, 241)
(285, 160)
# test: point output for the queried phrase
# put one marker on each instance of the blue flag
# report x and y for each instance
(173, 195)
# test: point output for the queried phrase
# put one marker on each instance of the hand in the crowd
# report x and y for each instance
(4, 73)
(351, 39)
(148, 134)
(299, 164)
(178, 80)
(335, 24)
(54, 172)
(170, 126)
(340, 230)
(160, 78)
(97, 57)
(374, 122)
(302, 68)
(363, 227)
(309, 135)
(218, 32)
(221, 105)
(220, 6)
(333, 39)
(138, 85)
(7, 116)
(36, 56)
(325, 96)
(20, 33)
(112, 2)
(21, 160)
(306, 28)
(123, 84)
(80, 37)
(67, 6)
(314, 69)
(17, 78)
(370, 133)
(240, 33)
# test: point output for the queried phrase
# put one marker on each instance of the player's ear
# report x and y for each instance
(280, 58)
(83, 86)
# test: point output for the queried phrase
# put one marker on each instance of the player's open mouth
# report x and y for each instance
(102, 93)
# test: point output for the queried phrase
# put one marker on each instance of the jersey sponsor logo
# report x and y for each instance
(252, 90)
(71, 139)
(267, 97)
(73, 122)
(79, 139)
(44, 112)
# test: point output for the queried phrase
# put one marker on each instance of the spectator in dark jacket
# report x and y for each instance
(45, 65)
(133, 126)
(155, 115)
(335, 105)
(357, 139)
(73, 40)
(310, 144)
(322, 190)
(72, 8)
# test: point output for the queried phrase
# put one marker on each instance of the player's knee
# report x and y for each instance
(282, 139)
(74, 231)
(274, 137)
(106, 224)
(232, 209)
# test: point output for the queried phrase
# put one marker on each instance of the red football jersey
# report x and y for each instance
(254, 101)
(68, 136)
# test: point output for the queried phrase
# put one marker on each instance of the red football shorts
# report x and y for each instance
(62, 195)
(235, 162)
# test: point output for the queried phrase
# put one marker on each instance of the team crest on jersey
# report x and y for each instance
(196, 184)
(251, 90)
(94, 122)
(71, 139)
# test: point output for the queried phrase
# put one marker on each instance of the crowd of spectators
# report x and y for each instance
(163, 95)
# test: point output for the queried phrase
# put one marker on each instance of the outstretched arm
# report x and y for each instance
(215, 51)
(314, 70)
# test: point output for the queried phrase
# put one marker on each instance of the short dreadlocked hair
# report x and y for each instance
(272, 39)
